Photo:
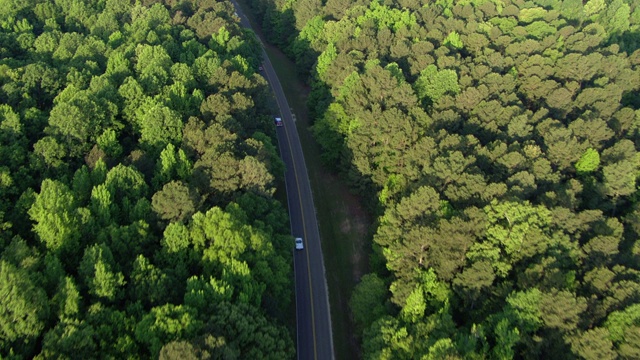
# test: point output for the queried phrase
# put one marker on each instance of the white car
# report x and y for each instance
(278, 122)
(299, 244)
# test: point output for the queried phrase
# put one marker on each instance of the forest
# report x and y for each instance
(496, 142)
(137, 179)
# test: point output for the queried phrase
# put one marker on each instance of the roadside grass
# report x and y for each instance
(344, 224)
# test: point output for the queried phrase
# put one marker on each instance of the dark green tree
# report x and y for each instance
(25, 310)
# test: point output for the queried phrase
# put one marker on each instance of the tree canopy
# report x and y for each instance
(497, 142)
(137, 215)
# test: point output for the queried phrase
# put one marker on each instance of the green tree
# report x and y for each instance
(474, 279)
(25, 309)
(98, 272)
(153, 67)
(367, 300)
(216, 172)
(561, 310)
(108, 143)
(148, 284)
(453, 40)
(594, 344)
(387, 338)
(159, 126)
(620, 169)
(50, 154)
(164, 324)
(247, 333)
(432, 83)
(69, 338)
(204, 295)
(125, 184)
(113, 330)
(180, 350)
(510, 232)
(77, 118)
(67, 299)
(56, 222)
(172, 165)
(255, 177)
(175, 202)
(615, 18)
(589, 162)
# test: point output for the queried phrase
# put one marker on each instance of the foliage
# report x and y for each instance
(495, 141)
(111, 185)
(589, 162)
(25, 308)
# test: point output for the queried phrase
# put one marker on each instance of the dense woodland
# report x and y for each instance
(499, 139)
(137, 176)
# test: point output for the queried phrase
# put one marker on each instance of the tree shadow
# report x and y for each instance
(629, 41)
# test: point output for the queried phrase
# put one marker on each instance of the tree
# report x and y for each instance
(67, 299)
(247, 333)
(561, 310)
(50, 152)
(255, 177)
(261, 147)
(562, 146)
(108, 143)
(175, 202)
(133, 97)
(510, 235)
(432, 84)
(69, 338)
(76, 118)
(472, 280)
(113, 330)
(159, 126)
(205, 23)
(148, 283)
(367, 301)
(620, 169)
(172, 165)
(153, 67)
(98, 273)
(180, 350)
(57, 223)
(615, 18)
(25, 309)
(216, 172)
(594, 344)
(125, 184)
(164, 324)
(387, 338)
(589, 161)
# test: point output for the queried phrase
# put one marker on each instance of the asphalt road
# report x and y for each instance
(313, 317)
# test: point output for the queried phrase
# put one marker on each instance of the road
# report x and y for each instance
(313, 317)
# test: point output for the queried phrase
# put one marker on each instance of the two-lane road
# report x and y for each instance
(313, 317)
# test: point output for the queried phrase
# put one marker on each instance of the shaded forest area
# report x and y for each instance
(499, 142)
(137, 176)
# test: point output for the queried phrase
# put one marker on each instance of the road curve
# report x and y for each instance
(313, 316)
